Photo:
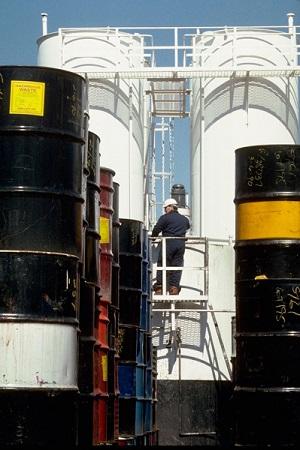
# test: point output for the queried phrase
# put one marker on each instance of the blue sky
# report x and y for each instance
(20, 24)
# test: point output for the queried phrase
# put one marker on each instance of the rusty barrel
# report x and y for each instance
(102, 304)
(106, 213)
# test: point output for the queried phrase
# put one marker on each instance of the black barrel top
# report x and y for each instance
(267, 171)
(42, 99)
(93, 159)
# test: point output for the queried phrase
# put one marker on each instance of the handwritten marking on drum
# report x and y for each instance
(256, 168)
(287, 302)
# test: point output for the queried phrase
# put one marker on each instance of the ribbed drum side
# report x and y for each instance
(90, 288)
(103, 300)
(113, 308)
(267, 296)
(41, 146)
(135, 339)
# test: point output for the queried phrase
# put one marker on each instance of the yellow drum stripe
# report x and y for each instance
(268, 220)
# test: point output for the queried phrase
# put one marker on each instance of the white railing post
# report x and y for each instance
(292, 32)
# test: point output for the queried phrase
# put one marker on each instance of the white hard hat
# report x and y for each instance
(169, 202)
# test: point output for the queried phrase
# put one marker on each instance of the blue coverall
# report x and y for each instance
(171, 224)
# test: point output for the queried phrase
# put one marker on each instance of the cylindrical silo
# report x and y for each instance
(228, 113)
(41, 146)
(116, 108)
(267, 296)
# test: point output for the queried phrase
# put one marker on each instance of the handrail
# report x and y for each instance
(164, 268)
(172, 46)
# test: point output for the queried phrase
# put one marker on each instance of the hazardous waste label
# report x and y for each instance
(27, 97)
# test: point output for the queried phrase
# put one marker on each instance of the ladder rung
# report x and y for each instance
(179, 298)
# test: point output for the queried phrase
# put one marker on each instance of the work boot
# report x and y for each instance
(173, 290)
(157, 289)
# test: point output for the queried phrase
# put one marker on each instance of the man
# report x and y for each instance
(171, 224)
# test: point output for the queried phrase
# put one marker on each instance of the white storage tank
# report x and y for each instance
(228, 113)
(116, 107)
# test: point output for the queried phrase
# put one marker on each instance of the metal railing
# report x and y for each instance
(183, 52)
(201, 291)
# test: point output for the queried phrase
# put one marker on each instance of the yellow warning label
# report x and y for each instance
(104, 230)
(104, 367)
(27, 97)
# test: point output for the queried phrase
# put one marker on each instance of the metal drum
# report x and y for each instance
(267, 172)
(131, 269)
(90, 285)
(87, 308)
(268, 192)
(106, 212)
(102, 306)
(46, 419)
(103, 323)
(115, 247)
(259, 260)
(146, 283)
(92, 236)
(131, 417)
(113, 334)
(41, 286)
(41, 147)
(267, 295)
(43, 100)
(131, 237)
(266, 418)
(40, 193)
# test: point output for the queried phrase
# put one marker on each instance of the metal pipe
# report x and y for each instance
(290, 17)
(44, 23)
(179, 310)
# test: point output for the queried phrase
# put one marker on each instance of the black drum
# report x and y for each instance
(267, 288)
(37, 163)
(48, 223)
(38, 287)
(267, 171)
(268, 305)
(42, 140)
(43, 100)
(267, 418)
(268, 359)
(268, 259)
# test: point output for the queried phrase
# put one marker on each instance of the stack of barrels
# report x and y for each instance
(147, 326)
(75, 291)
(267, 381)
(135, 364)
(113, 314)
(90, 394)
(153, 438)
(104, 300)
(42, 140)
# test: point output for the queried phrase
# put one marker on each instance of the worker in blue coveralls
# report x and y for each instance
(172, 224)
